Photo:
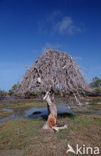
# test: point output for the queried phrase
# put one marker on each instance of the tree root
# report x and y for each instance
(56, 128)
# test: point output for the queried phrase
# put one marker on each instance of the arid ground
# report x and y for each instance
(25, 137)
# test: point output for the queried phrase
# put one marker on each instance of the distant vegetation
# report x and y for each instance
(95, 85)
(12, 91)
(3, 93)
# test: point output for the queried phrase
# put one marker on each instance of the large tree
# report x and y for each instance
(53, 71)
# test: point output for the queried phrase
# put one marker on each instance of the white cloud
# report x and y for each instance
(58, 23)
(66, 26)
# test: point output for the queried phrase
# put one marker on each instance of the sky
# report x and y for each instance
(29, 27)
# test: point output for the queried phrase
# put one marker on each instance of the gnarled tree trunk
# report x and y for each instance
(52, 111)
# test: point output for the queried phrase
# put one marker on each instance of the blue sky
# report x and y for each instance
(29, 27)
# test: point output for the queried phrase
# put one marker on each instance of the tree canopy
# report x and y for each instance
(54, 70)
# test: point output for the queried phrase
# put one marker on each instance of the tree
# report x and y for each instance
(96, 86)
(53, 71)
(3, 93)
(13, 90)
(96, 83)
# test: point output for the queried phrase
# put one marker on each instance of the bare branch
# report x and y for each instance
(54, 70)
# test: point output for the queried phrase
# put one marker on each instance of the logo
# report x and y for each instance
(83, 149)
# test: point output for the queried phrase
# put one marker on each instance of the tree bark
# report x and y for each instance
(52, 111)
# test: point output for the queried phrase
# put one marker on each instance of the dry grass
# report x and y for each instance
(4, 113)
(26, 135)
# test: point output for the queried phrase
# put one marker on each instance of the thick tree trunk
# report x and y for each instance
(52, 110)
